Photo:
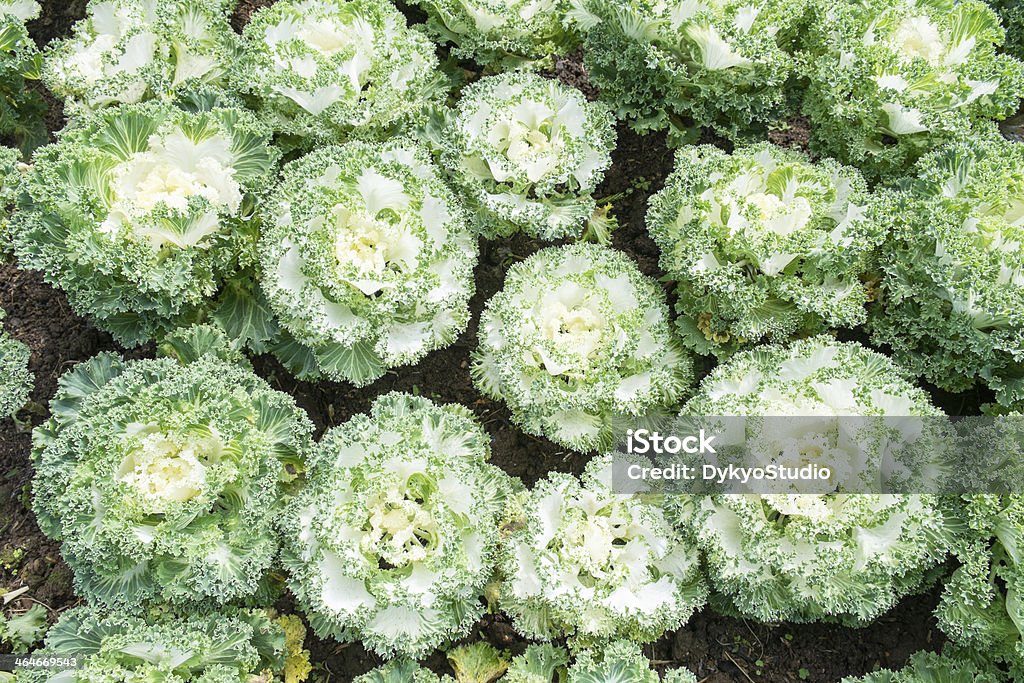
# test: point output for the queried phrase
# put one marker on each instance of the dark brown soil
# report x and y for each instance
(718, 649)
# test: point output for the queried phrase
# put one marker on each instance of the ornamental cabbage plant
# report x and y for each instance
(229, 646)
(325, 70)
(22, 110)
(892, 81)
(805, 557)
(127, 51)
(683, 66)
(578, 342)
(583, 561)
(15, 377)
(764, 245)
(618, 662)
(367, 260)
(500, 33)
(528, 152)
(980, 605)
(393, 539)
(928, 667)
(144, 216)
(951, 305)
(163, 478)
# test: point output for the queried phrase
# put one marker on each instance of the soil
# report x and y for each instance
(717, 648)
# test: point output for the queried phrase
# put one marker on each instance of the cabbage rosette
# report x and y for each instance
(500, 33)
(163, 479)
(127, 51)
(143, 216)
(683, 65)
(582, 560)
(367, 260)
(890, 81)
(764, 245)
(951, 305)
(528, 153)
(801, 557)
(578, 343)
(393, 539)
(325, 70)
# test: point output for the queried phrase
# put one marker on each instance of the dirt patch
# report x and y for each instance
(794, 133)
(244, 11)
(56, 20)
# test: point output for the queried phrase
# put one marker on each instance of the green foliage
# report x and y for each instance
(21, 108)
(980, 608)
(928, 667)
(618, 662)
(764, 245)
(164, 480)
(22, 631)
(1011, 13)
(15, 378)
(228, 646)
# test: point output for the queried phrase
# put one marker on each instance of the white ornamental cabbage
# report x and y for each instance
(143, 215)
(322, 70)
(367, 260)
(500, 33)
(163, 478)
(394, 537)
(684, 65)
(528, 152)
(621, 661)
(577, 342)
(890, 81)
(951, 305)
(127, 51)
(929, 667)
(582, 560)
(980, 605)
(802, 556)
(764, 245)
